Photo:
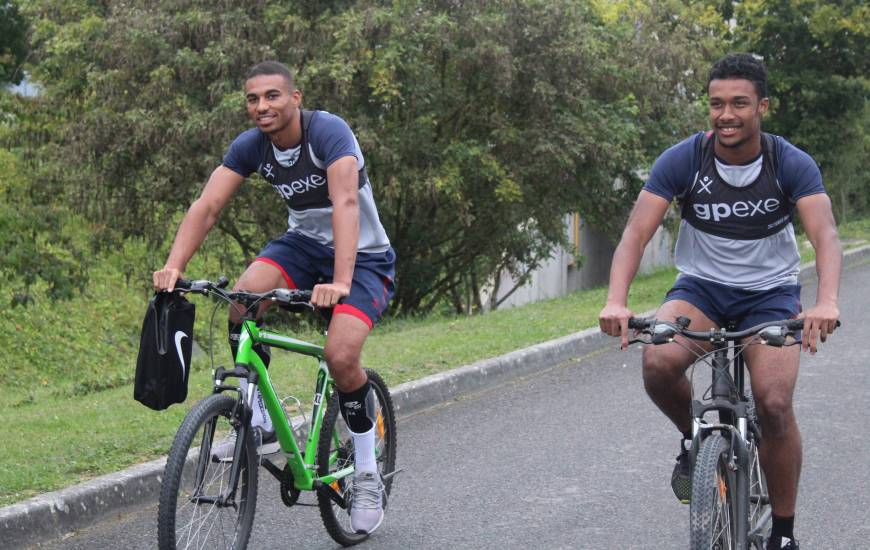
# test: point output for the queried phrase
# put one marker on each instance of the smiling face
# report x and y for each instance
(735, 116)
(273, 106)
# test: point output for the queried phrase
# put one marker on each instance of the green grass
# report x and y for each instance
(69, 389)
(64, 433)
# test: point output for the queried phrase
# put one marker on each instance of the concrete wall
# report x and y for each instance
(562, 274)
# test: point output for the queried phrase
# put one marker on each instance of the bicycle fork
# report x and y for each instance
(734, 426)
(242, 413)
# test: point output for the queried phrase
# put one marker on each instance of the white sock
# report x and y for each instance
(364, 451)
(260, 417)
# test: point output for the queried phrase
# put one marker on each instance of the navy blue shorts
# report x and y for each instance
(304, 263)
(729, 306)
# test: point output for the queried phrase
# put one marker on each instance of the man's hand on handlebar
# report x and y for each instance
(165, 278)
(819, 321)
(613, 320)
(328, 294)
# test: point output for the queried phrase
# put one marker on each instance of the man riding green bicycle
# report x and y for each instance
(335, 245)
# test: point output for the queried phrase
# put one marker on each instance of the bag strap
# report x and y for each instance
(306, 120)
(700, 146)
(774, 146)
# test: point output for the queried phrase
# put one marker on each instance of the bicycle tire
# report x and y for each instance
(335, 519)
(712, 525)
(181, 522)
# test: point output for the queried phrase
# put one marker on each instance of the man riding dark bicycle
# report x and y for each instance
(314, 162)
(738, 265)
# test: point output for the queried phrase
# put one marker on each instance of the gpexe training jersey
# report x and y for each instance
(298, 175)
(735, 226)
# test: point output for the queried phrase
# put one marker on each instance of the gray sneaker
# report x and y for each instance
(366, 506)
(266, 442)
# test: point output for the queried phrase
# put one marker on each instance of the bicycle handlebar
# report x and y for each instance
(774, 332)
(283, 296)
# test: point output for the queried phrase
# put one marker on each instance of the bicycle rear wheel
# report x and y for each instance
(712, 525)
(335, 451)
(188, 514)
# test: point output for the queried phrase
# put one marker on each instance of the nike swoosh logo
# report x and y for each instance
(178, 337)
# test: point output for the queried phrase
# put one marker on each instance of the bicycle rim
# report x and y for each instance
(712, 525)
(335, 451)
(188, 517)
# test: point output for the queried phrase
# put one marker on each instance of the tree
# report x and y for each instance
(817, 56)
(13, 43)
(482, 122)
(41, 247)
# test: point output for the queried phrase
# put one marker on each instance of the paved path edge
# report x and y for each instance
(52, 515)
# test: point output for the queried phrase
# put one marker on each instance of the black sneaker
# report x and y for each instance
(782, 543)
(681, 478)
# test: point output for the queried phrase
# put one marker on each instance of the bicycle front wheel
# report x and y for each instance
(197, 507)
(335, 451)
(712, 508)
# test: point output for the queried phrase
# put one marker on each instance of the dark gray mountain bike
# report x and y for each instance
(730, 506)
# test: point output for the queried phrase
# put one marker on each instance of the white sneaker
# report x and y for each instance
(366, 506)
(266, 442)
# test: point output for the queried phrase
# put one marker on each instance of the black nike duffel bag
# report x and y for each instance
(165, 346)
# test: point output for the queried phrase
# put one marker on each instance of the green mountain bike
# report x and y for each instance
(207, 501)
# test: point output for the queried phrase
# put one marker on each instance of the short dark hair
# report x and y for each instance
(741, 65)
(271, 68)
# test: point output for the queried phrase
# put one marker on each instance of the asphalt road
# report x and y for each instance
(577, 457)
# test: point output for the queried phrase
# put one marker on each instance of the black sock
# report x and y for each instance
(235, 330)
(782, 527)
(357, 408)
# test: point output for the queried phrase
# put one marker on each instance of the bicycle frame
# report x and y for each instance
(249, 364)
(734, 421)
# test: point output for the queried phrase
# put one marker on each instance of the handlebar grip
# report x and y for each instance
(798, 324)
(303, 295)
(182, 284)
(794, 324)
(638, 323)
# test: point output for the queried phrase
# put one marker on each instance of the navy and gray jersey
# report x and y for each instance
(299, 176)
(736, 225)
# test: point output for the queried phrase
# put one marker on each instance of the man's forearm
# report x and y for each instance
(345, 228)
(829, 259)
(626, 260)
(191, 233)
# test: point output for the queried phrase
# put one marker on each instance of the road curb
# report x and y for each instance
(53, 515)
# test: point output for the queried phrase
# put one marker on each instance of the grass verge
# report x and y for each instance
(59, 439)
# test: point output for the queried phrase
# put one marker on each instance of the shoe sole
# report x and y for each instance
(372, 530)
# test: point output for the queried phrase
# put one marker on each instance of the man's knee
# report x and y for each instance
(660, 369)
(775, 412)
(340, 359)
